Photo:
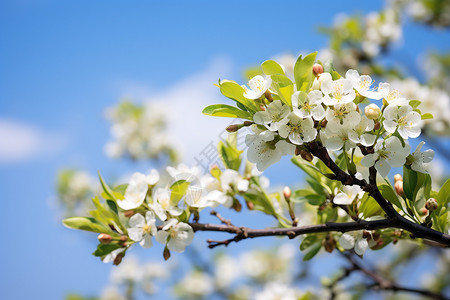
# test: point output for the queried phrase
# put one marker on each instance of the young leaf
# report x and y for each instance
(105, 249)
(311, 253)
(222, 110)
(84, 223)
(271, 67)
(303, 73)
(427, 116)
(409, 182)
(389, 194)
(234, 91)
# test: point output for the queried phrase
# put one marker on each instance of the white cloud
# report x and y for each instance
(184, 101)
(21, 142)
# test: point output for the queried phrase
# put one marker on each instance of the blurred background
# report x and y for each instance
(64, 63)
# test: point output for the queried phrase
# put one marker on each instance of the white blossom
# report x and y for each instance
(354, 240)
(298, 130)
(277, 291)
(421, 159)
(308, 105)
(388, 153)
(142, 229)
(362, 84)
(341, 91)
(347, 194)
(403, 119)
(112, 255)
(258, 86)
(177, 235)
(343, 114)
(274, 116)
(336, 138)
(135, 193)
(392, 96)
(162, 206)
(359, 135)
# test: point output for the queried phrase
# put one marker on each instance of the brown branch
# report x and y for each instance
(245, 232)
(382, 283)
(396, 220)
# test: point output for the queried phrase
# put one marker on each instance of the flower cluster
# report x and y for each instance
(330, 111)
(139, 131)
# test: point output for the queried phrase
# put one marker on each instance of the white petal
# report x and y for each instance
(361, 246)
(146, 241)
(382, 167)
(347, 241)
(137, 220)
(135, 234)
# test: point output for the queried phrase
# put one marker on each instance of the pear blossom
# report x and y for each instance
(195, 197)
(177, 235)
(354, 240)
(343, 114)
(308, 105)
(299, 130)
(135, 193)
(142, 229)
(388, 153)
(420, 160)
(403, 119)
(162, 206)
(258, 86)
(263, 153)
(274, 116)
(347, 194)
(277, 291)
(392, 96)
(362, 84)
(341, 91)
(183, 172)
(359, 135)
(336, 138)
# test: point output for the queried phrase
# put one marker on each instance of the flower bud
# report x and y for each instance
(248, 123)
(104, 238)
(237, 206)
(377, 126)
(262, 107)
(372, 111)
(423, 211)
(306, 155)
(431, 205)
(287, 193)
(398, 177)
(324, 123)
(232, 128)
(329, 243)
(317, 69)
(250, 205)
(118, 258)
(128, 213)
(399, 188)
(268, 96)
(166, 253)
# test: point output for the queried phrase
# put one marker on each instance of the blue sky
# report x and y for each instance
(63, 62)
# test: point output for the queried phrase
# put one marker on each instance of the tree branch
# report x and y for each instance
(382, 283)
(397, 221)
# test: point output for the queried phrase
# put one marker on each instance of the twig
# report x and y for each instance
(383, 284)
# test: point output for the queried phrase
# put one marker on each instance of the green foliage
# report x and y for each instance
(303, 73)
(104, 249)
(85, 223)
(229, 153)
(284, 88)
(223, 110)
(271, 67)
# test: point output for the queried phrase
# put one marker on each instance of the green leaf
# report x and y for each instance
(303, 73)
(234, 91)
(109, 193)
(178, 190)
(85, 223)
(427, 116)
(105, 249)
(409, 182)
(311, 253)
(414, 103)
(284, 88)
(223, 110)
(230, 155)
(308, 241)
(271, 67)
(443, 197)
(369, 207)
(389, 194)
